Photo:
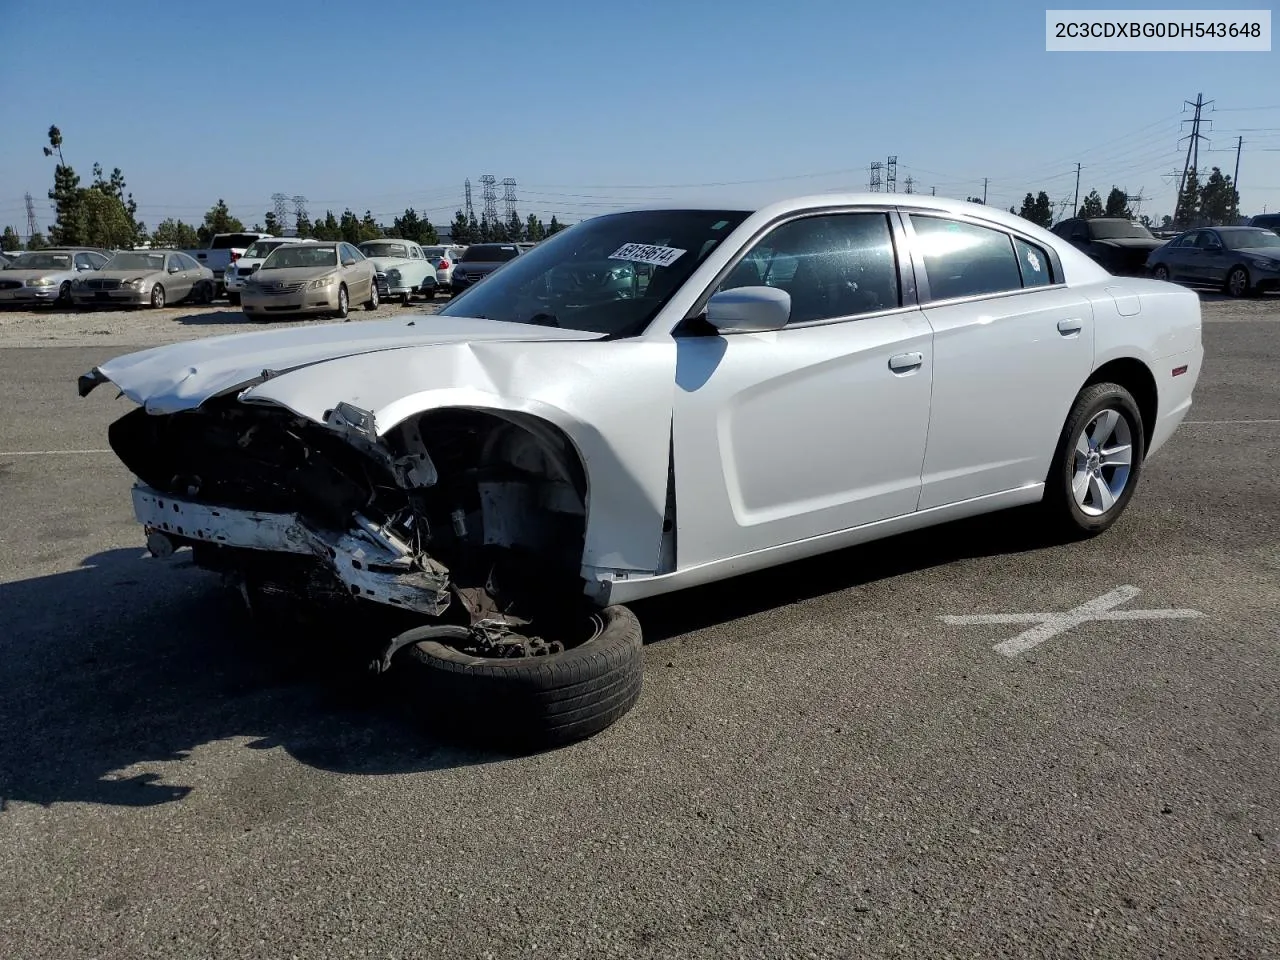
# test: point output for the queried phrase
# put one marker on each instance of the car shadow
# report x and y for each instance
(216, 315)
(130, 661)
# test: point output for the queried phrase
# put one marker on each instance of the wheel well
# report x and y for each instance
(1134, 376)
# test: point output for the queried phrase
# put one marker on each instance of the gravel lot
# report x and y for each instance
(819, 766)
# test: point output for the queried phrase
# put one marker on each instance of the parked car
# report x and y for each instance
(7, 257)
(1268, 221)
(791, 380)
(445, 258)
(1118, 244)
(480, 260)
(223, 251)
(248, 263)
(401, 267)
(325, 277)
(1239, 261)
(46, 276)
(145, 277)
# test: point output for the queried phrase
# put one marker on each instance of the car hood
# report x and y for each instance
(25, 275)
(292, 274)
(126, 274)
(387, 263)
(1133, 243)
(182, 376)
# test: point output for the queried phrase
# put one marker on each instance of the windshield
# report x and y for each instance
(610, 275)
(433, 253)
(259, 250)
(42, 261)
(136, 261)
(1119, 230)
(490, 253)
(307, 256)
(384, 250)
(1251, 239)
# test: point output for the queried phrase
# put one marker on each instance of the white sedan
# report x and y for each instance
(647, 401)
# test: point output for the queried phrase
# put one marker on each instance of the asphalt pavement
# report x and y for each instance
(820, 764)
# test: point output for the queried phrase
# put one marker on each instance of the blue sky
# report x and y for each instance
(592, 106)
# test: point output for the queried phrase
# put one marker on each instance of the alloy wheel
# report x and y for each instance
(1103, 462)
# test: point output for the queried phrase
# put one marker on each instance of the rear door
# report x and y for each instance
(1012, 346)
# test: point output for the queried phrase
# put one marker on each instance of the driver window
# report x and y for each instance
(836, 265)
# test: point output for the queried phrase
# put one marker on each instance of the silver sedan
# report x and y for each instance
(146, 277)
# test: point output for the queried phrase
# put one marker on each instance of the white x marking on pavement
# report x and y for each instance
(1051, 624)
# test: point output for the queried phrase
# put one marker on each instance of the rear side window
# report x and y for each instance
(965, 260)
(1037, 270)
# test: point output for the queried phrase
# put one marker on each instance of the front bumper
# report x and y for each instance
(324, 300)
(124, 296)
(29, 295)
(369, 563)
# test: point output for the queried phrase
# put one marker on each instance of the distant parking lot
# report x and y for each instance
(953, 743)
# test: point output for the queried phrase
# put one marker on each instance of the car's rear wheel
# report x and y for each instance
(529, 702)
(1237, 284)
(157, 296)
(1161, 272)
(429, 293)
(1097, 463)
(344, 303)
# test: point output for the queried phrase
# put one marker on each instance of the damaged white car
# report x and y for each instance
(645, 402)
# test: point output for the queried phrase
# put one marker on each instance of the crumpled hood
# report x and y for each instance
(181, 376)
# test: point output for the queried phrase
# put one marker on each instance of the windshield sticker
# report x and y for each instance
(645, 253)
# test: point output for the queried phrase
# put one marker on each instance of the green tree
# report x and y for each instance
(37, 242)
(328, 228)
(271, 225)
(1188, 213)
(460, 229)
(1219, 200)
(349, 227)
(974, 199)
(303, 228)
(107, 223)
(370, 229)
(1092, 206)
(175, 234)
(555, 226)
(10, 240)
(68, 224)
(1117, 204)
(218, 220)
(515, 227)
(115, 187)
(534, 230)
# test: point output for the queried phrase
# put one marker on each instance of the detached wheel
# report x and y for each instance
(157, 296)
(1098, 462)
(1237, 284)
(530, 702)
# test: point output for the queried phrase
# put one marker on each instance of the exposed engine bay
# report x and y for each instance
(464, 517)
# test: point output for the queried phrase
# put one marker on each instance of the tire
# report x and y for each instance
(206, 294)
(428, 293)
(1161, 272)
(64, 295)
(344, 303)
(233, 299)
(157, 297)
(529, 703)
(1066, 512)
(372, 302)
(1237, 282)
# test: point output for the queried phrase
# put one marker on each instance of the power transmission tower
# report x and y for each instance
(909, 182)
(31, 216)
(874, 186)
(299, 211)
(468, 209)
(490, 196)
(1193, 149)
(1075, 205)
(891, 176)
(509, 196)
(1136, 201)
(281, 203)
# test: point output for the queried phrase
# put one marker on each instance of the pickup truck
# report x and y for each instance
(224, 250)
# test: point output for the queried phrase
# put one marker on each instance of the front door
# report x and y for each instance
(814, 428)
(1012, 347)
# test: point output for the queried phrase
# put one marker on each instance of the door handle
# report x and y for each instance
(901, 362)
(1069, 328)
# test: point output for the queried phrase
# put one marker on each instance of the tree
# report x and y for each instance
(115, 187)
(1146, 221)
(303, 227)
(1092, 206)
(271, 224)
(974, 199)
(418, 229)
(1188, 212)
(460, 229)
(1219, 200)
(66, 193)
(534, 230)
(473, 230)
(1166, 222)
(37, 242)
(370, 229)
(106, 221)
(218, 220)
(349, 227)
(10, 240)
(328, 228)
(175, 234)
(1117, 204)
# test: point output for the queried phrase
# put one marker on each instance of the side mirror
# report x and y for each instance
(348, 263)
(749, 310)
(175, 269)
(1213, 248)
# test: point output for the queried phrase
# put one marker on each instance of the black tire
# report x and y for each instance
(64, 294)
(157, 297)
(233, 299)
(1237, 282)
(1063, 514)
(1161, 272)
(344, 303)
(528, 703)
(428, 293)
(372, 302)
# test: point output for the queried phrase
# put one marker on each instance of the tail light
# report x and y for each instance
(443, 265)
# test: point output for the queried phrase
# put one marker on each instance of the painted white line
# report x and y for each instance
(49, 453)
(1049, 625)
(1215, 423)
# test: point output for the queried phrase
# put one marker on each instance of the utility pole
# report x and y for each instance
(933, 191)
(1193, 149)
(984, 190)
(1235, 179)
(1076, 205)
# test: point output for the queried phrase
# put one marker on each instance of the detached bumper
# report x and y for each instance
(370, 564)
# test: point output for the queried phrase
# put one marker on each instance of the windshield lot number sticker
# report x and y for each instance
(645, 253)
